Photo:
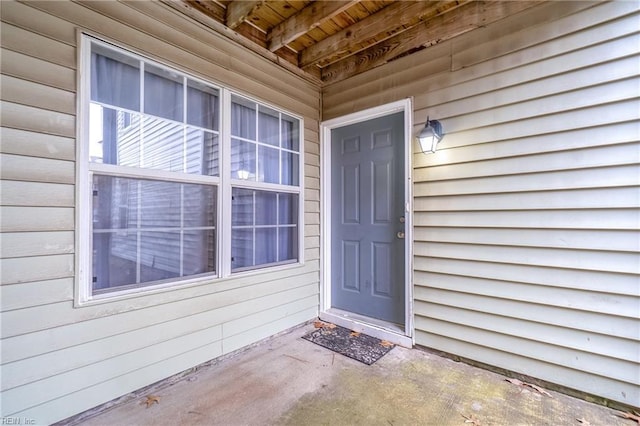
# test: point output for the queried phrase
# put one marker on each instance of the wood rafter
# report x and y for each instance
(305, 20)
(239, 10)
(465, 18)
(386, 22)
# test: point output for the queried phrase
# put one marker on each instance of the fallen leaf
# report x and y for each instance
(584, 422)
(471, 419)
(539, 389)
(152, 399)
(318, 324)
(354, 334)
(515, 382)
(631, 416)
(332, 326)
(386, 344)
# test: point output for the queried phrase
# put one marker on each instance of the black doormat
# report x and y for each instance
(360, 347)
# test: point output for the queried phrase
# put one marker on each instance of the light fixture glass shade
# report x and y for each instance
(430, 136)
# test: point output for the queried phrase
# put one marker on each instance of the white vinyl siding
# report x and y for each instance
(57, 359)
(526, 220)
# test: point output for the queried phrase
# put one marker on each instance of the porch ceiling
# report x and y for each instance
(329, 41)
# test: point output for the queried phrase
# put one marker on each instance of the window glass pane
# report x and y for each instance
(202, 152)
(243, 160)
(268, 164)
(266, 245)
(243, 118)
(290, 170)
(241, 248)
(163, 93)
(268, 126)
(115, 257)
(159, 256)
(202, 105)
(287, 243)
(290, 133)
(266, 208)
(114, 136)
(288, 209)
(162, 147)
(242, 207)
(147, 230)
(115, 78)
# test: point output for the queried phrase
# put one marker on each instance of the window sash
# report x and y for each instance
(290, 142)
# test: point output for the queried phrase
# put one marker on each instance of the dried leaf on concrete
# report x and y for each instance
(631, 416)
(530, 385)
(472, 419)
(152, 399)
(386, 343)
(584, 422)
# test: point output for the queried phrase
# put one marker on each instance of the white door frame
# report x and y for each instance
(355, 322)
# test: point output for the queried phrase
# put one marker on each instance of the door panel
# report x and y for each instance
(367, 203)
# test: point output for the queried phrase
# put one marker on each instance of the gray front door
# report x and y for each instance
(367, 218)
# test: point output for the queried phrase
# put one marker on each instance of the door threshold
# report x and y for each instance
(380, 329)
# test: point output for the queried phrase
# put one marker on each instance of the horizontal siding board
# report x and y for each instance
(37, 70)
(25, 244)
(626, 393)
(36, 293)
(627, 263)
(37, 95)
(544, 238)
(622, 197)
(34, 219)
(34, 144)
(606, 282)
(622, 219)
(23, 16)
(32, 44)
(35, 119)
(623, 371)
(37, 194)
(71, 328)
(607, 346)
(34, 169)
(36, 268)
(601, 177)
(616, 326)
(588, 301)
(607, 156)
(601, 136)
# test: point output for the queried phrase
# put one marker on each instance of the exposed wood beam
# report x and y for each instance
(388, 20)
(305, 20)
(181, 7)
(239, 10)
(465, 18)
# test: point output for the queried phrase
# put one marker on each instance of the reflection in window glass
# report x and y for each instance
(163, 93)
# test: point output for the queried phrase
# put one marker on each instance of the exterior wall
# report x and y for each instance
(526, 219)
(57, 359)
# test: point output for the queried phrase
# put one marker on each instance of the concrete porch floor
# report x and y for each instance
(289, 381)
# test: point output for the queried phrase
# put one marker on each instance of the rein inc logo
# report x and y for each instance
(17, 421)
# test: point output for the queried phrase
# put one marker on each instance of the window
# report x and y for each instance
(157, 197)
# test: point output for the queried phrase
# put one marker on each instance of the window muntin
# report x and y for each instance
(155, 159)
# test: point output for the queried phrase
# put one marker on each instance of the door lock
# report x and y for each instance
(401, 219)
(400, 234)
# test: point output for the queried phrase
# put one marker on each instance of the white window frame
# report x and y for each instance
(223, 182)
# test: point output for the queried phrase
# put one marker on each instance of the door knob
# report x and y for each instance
(400, 234)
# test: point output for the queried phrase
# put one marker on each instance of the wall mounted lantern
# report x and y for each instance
(430, 136)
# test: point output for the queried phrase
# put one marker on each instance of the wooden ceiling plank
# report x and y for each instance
(239, 10)
(307, 19)
(445, 26)
(392, 17)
